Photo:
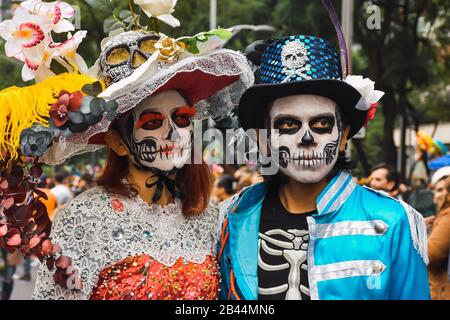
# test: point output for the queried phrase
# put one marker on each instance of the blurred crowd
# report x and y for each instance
(431, 198)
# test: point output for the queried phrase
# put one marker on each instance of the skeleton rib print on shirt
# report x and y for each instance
(282, 252)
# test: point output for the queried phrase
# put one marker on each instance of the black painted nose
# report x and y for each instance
(173, 134)
(307, 139)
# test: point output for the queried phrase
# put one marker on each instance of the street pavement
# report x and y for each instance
(24, 289)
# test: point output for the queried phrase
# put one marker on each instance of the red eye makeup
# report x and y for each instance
(150, 121)
(183, 116)
(186, 110)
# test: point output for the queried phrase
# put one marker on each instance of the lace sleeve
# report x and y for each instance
(224, 206)
(74, 230)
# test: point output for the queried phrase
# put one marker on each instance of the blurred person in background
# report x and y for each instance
(243, 177)
(224, 188)
(83, 183)
(384, 177)
(421, 198)
(61, 190)
(11, 261)
(439, 245)
(438, 184)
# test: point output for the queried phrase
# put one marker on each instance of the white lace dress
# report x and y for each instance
(139, 244)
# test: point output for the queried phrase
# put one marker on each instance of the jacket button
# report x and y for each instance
(379, 227)
(377, 268)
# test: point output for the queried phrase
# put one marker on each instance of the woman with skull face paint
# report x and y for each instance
(309, 232)
(148, 231)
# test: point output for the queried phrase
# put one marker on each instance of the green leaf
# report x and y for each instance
(111, 106)
(56, 67)
(86, 105)
(97, 106)
(101, 6)
(92, 119)
(191, 42)
(76, 117)
(93, 89)
(223, 34)
(191, 45)
(108, 24)
(111, 115)
(124, 14)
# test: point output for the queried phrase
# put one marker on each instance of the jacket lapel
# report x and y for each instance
(244, 229)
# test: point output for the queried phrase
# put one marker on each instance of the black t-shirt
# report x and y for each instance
(282, 251)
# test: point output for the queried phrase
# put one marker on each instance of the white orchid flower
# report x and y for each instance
(58, 12)
(69, 47)
(160, 9)
(28, 38)
(23, 31)
(366, 88)
(37, 61)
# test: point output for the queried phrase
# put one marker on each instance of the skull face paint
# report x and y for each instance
(158, 132)
(308, 137)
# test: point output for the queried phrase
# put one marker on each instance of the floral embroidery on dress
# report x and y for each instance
(143, 278)
(92, 233)
(117, 204)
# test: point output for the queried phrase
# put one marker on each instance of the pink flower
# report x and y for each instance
(3, 230)
(34, 242)
(69, 47)
(66, 102)
(57, 12)
(47, 247)
(29, 39)
(63, 262)
(14, 241)
(23, 31)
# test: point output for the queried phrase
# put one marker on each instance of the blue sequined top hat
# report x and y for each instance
(300, 64)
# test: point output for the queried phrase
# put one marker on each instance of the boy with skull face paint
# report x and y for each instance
(310, 232)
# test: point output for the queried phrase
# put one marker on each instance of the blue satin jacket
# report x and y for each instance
(363, 244)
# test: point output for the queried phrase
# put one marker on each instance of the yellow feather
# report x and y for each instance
(21, 107)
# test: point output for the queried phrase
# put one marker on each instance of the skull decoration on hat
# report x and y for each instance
(125, 53)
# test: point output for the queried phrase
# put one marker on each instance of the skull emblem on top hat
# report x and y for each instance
(294, 55)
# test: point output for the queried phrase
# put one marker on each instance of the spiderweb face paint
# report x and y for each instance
(158, 132)
(308, 138)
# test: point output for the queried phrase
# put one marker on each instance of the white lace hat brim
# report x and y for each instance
(209, 100)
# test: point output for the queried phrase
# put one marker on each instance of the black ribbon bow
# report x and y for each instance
(164, 181)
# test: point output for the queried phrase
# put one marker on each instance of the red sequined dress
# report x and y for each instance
(126, 249)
